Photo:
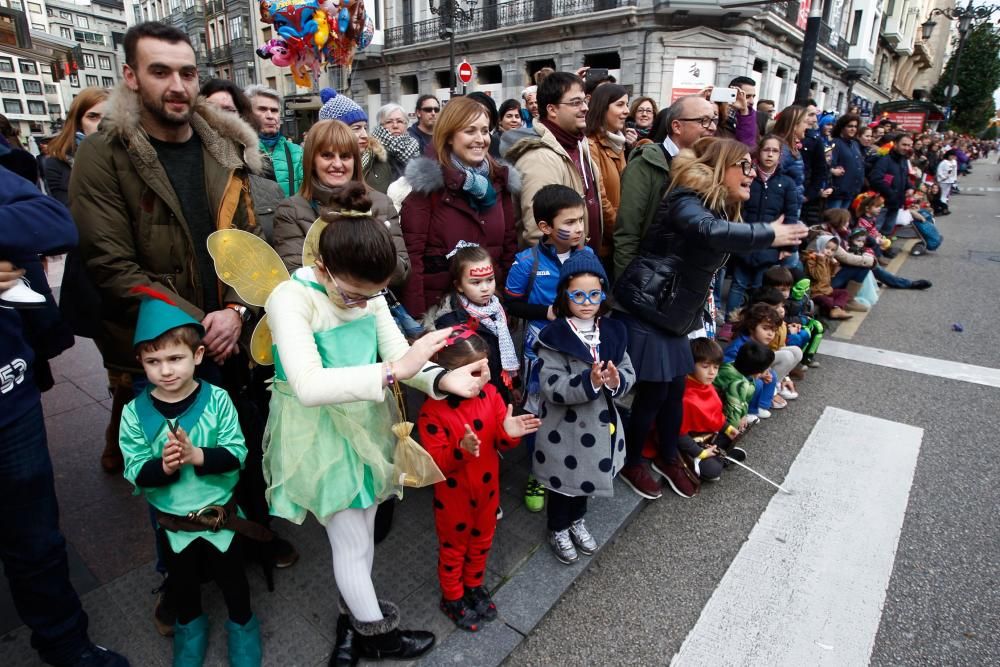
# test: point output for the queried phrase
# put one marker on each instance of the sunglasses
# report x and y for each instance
(431, 109)
(593, 297)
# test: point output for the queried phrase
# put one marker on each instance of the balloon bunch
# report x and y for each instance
(312, 34)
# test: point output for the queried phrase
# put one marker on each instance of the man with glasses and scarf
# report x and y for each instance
(428, 109)
(556, 152)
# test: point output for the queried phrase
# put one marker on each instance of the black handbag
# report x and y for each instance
(652, 290)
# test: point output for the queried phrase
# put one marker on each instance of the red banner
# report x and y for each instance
(804, 7)
(909, 121)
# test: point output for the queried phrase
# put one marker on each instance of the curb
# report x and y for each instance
(534, 589)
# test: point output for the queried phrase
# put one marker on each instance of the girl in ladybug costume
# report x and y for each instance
(463, 436)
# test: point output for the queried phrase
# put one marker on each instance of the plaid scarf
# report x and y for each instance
(494, 319)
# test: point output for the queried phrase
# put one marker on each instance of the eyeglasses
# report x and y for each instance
(576, 103)
(355, 300)
(593, 297)
(746, 166)
(643, 110)
(705, 122)
(431, 109)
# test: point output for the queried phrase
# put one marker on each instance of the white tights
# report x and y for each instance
(352, 540)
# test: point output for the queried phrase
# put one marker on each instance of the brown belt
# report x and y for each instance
(214, 518)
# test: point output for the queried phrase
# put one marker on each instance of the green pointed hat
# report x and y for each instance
(158, 315)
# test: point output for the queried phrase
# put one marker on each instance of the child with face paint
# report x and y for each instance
(531, 289)
(584, 369)
(473, 300)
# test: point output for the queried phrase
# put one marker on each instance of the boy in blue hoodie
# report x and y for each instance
(34, 550)
(531, 289)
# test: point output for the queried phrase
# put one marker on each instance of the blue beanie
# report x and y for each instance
(340, 107)
(582, 261)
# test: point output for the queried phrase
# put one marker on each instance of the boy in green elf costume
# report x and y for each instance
(183, 450)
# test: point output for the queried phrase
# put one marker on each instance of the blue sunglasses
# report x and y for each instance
(594, 297)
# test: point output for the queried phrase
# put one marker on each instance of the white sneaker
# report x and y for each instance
(788, 394)
(21, 296)
(763, 414)
(752, 419)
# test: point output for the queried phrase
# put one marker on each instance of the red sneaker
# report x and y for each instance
(679, 477)
(639, 479)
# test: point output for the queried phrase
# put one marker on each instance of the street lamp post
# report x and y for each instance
(965, 16)
(450, 12)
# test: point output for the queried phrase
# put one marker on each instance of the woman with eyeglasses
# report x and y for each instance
(331, 160)
(641, 115)
(791, 128)
(330, 449)
(847, 163)
(390, 131)
(608, 138)
(462, 194)
(663, 293)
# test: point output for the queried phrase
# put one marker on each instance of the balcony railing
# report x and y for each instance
(214, 7)
(494, 17)
(827, 36)
(220, 54)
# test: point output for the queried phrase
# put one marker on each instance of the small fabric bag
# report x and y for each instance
(412, 465)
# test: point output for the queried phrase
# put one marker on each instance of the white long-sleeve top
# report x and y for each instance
(296, 311)
(947, 172)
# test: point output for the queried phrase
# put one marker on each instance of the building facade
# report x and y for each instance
(869, 50)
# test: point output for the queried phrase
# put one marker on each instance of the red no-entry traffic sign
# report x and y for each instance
(464, 71)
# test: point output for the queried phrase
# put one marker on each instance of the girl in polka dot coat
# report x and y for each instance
(585, 367)
(463, 437)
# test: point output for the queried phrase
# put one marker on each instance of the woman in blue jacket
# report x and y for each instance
(772, 194)
(791, 128)
(847, 164)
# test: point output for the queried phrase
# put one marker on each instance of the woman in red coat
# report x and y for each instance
(462, 195)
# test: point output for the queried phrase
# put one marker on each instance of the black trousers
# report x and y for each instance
(564, 510)
(659, 403)
(200, 559)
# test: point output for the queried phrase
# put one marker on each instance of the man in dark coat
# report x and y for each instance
(890, 177)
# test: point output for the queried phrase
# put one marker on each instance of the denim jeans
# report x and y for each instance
(885, 222)
(32, 548)
(745, 278)
(857, 274)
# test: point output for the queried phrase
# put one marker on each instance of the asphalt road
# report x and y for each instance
(644, 593)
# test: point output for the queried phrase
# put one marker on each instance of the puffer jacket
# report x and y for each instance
(295, 215)
(610, 163)
(132, 227)
(847, 154)
(541, 161)
(890, 177)
(769, 199)
(643, 183)
(279, 163)
(378, 175)
(437, 215)
(794, 167)
(692, 242)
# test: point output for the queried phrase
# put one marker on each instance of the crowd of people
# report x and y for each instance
(550, 273)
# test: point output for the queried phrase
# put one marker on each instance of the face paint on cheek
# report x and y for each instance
(562, 234)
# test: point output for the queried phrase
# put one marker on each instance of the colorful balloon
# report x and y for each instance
(313, 34)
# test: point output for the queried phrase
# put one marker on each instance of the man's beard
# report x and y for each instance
(158, 108)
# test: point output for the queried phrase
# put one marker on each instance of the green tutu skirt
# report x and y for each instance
(328, 458)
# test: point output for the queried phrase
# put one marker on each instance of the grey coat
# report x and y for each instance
(580, 446)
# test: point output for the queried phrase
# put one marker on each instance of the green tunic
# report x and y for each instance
(211, 421)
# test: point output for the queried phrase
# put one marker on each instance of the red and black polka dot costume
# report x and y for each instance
(465, 504)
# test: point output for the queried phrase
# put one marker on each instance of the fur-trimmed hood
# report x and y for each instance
(227, 137)
(427, 175)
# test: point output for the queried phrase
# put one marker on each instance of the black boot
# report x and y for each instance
(381, 640)
(344, 652)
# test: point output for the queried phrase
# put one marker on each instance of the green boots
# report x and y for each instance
(191, 641)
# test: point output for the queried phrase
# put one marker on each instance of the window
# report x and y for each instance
(88, 61)
(6, 64)
(272, 82)
(107, 82)
(235, 28)
(240, 78)
(8, 86)
(65, 32)
(74, 80)
(38, 27)
(37, 108)
(856, 27)
(28, 67)
(89, 37)
(92, 81)
(265, 32)
(81, 21)
(137, 10)
(51, 89)
(32, 87)
(34, 8)
(12, 106)
(104, 62)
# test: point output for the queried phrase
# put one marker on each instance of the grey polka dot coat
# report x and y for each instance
(580, 446)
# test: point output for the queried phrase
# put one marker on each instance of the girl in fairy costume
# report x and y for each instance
(329, 447)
